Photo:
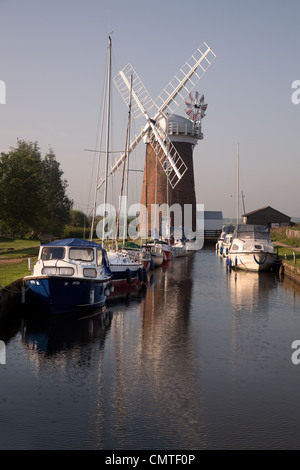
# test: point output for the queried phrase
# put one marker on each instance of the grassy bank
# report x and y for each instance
(14, 256)
(287, 256)
(279, 235)
(10, 272)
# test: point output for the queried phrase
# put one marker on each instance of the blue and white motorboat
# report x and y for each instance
(70, 275)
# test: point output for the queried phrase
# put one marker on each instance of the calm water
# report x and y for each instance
(200, 360)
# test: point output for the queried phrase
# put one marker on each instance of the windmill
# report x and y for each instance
(157, 113)
(196, 107)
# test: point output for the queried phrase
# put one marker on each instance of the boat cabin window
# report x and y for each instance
(235, 248)
(99, 258)
(52, 252)
(81, 254)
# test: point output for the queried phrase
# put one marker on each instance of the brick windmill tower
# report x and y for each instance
(170, 138)
(158, 189)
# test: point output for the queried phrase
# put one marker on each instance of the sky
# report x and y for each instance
(53, 59)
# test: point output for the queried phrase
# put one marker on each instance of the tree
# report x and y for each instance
(78, 219)
(57, 205)
(32, 191)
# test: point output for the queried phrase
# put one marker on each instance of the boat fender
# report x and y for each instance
(151, 264)
(145, 277)
(107, 291)
(259, 262)
(112, 288)
(140, 273)
(236, 261)
(128, 275)
(221, 250)
(226, 251)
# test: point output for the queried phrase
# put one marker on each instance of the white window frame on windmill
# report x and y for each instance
(2, 92)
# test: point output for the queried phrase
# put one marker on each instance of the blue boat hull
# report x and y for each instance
(59, 295)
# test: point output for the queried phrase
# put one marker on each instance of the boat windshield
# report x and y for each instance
(81, 254)
(261, 232)
(52, 252)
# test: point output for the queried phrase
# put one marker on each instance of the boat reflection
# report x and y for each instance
(250, 291)
(51, 335)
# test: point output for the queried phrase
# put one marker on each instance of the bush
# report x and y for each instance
(75, 232)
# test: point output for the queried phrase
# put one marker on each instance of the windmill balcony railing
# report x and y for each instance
(186, 129)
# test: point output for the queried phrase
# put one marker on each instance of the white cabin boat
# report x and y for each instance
(251, 248)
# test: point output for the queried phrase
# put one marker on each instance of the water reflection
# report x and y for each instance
(184, 363)
(52, 335)
(155, 400)
(250, 291)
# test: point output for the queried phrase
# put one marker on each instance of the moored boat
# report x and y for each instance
(251, 248)
(166, 249)
(70, 275)
(179, 249)
(227, 231)
(125, 270)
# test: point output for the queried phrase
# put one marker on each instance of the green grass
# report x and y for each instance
(16, 249)
(279, 235)
(10, 248)
(287, 255)
(10, 272)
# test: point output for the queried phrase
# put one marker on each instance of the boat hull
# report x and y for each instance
(60, 295)
(262, 261)
(124, 276)
(157, 259)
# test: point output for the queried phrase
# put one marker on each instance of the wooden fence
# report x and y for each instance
(292, 233)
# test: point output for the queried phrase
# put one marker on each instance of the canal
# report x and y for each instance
(201, 359)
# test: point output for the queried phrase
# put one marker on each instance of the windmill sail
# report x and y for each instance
(169, 100)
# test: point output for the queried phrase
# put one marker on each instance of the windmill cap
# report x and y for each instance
(180, 128)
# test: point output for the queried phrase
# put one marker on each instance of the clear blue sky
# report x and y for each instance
(53, 57)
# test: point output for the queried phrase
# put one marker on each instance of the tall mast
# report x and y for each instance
(122, 181)
(107, 130)
(238, 189)
(127, 160)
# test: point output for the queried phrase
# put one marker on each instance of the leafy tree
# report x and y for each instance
(78, 219)
(32, 191)
(57, 206)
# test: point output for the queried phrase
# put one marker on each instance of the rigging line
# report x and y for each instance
(96, 143)
(99, 139)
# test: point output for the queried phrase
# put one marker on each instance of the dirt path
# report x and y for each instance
(286, 246)
(11, 260)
